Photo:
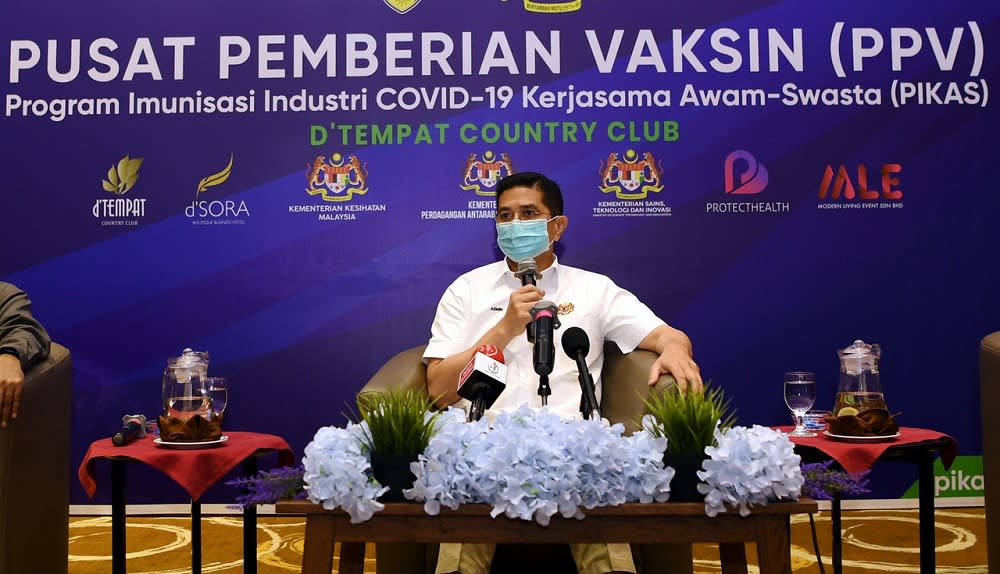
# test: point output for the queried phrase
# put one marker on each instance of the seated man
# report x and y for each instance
(23, 342)
(489, 305)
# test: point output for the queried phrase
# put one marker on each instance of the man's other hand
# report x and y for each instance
(676, 360)
(11, 382)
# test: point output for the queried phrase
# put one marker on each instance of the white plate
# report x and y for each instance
(190, 445)
(860, 438)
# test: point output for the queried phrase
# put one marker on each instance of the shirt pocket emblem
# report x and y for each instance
(566, 308)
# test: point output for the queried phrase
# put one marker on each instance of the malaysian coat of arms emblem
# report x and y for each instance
(402, 6)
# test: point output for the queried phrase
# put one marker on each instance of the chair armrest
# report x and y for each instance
(624, 385)
(404, 371)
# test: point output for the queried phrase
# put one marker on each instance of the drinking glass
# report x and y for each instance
(800, 394)
(218, 393)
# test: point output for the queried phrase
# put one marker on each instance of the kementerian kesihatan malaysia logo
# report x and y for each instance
(218, 211)
(631, 177)
(402, 6)
(482, 175)
(121, 211)
(337, 181)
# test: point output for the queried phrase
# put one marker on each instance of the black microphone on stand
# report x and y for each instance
(527, 271)
(545, 321)
(576, 344)
(133, 427)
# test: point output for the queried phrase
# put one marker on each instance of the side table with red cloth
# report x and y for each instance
(913, 445)
(193, 469)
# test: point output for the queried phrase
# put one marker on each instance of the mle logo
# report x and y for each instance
(840, 183)
(840, 189)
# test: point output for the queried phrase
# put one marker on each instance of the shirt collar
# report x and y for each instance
(504, 274)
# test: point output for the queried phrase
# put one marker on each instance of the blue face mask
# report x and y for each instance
(520, 240)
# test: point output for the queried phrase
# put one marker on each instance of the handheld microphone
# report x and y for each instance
(133, 427)
(576, 344)
(546, 321)
(527, 270)
(482, 380)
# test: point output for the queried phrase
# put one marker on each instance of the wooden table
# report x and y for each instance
(767, 526)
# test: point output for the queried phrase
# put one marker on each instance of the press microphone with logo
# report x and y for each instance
(133, 427)
(576, 344)
(482, 380)
(527, 271)
(546, 321)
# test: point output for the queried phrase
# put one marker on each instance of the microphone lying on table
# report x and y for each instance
(133, 427)
(482, 380)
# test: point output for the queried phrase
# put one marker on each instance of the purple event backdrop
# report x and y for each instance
(863, 213)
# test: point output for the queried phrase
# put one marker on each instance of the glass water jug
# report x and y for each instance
(859, 389)
(184, 392)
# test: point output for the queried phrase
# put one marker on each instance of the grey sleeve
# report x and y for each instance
(18, 328)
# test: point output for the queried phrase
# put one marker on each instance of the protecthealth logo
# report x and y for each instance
(743, 174)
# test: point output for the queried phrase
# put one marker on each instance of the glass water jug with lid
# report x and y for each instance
(859, 389)
(184, 392)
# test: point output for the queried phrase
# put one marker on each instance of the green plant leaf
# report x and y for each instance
(399, 422)
(688, 420)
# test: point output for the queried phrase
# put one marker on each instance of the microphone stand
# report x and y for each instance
(543, 389)
(477, 408)
(588, 398)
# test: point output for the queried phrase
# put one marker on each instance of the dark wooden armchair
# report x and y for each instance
(35, 471)
(989, 396)
(624, 388)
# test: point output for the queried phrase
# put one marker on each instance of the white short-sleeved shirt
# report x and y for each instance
(477, 300)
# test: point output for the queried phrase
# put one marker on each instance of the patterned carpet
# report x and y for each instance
(875, 541)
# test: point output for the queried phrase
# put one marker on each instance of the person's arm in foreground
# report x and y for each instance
(442, 374)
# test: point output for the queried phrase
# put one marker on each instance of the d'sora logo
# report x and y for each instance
(216, 178)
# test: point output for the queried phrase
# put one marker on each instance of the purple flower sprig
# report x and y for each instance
(269, 486)
(823, 482)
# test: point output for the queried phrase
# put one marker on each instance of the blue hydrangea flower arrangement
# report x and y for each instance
(534, 464)
(748, 467)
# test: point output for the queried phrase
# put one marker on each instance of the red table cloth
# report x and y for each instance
(859, 456)
(195, 470)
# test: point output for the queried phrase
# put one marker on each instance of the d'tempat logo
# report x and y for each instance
(632, 177)
(482, 175)
(402, 6)
(556, 7)
(337, 179)
(121, 211)
(752, 178)
(837, 188)
(203, 212)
